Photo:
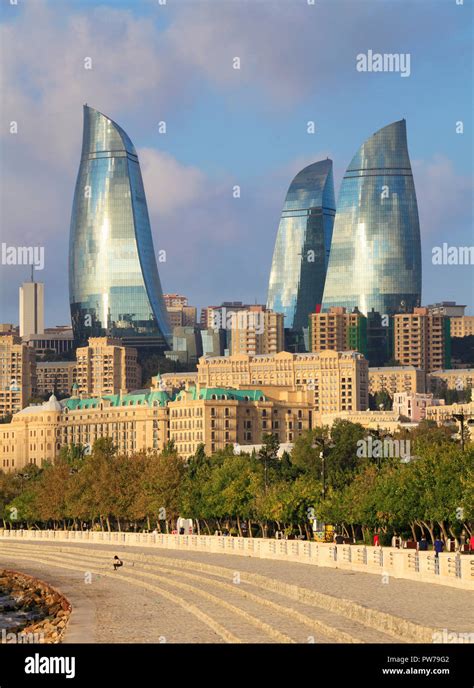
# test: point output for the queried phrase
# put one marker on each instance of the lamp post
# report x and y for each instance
(461, 418)
(320, 441)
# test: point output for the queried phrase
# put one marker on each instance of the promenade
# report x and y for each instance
(163, 595)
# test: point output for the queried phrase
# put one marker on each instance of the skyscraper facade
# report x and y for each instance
(114, 286)
(301, 253)
(31, 308)
(375, 259)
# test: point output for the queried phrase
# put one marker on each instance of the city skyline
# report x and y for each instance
(228, 127)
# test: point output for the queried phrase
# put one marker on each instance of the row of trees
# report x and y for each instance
(337, 477)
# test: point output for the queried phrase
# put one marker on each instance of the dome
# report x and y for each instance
(52, 404)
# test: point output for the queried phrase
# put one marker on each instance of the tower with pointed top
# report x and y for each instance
(114, 285)
(375, 257)
(302, 246)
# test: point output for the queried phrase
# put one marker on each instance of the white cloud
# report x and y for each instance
(169, 185)
(443, 196)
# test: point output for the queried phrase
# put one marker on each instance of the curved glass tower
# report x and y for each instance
(302, 245)
(375, 259)
(114, 286)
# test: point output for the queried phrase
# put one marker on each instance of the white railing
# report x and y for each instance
(448, 569)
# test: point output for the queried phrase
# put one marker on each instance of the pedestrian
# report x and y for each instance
(471, 543)
(438, 546)
(423, 544)
(117, 563)
(376, 540)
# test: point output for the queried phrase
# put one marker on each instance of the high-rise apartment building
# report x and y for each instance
(17, 374)
(338, 330)
(105, 366)
(397, 379)
(462, 326)
(375, 257)
(175, 300)
(114, 286)
(422, 339)
(55, 377)
(31, 309)
(302, 245)
(256, 330)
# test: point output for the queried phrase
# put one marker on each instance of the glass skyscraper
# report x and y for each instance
(301, 253)
(114, 286)
(375, 258)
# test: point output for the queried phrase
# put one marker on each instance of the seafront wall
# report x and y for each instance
(453, 569)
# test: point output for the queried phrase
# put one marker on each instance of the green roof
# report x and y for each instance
(132, 399)
(221, 393)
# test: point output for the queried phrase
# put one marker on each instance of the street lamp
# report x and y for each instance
(461, 417)
(320, 441)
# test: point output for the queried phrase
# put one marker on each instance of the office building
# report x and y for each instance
(114, 286)
(31, 309)
(302, 245)
(375, 257)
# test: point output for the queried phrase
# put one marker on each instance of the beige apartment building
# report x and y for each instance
(397, 379)
(175, 300)
(337, 380)
(56, 377)
(36, 434)
(173, 381)
(180, 314)
(338, 330)
(421, 339)
(463, 326)
(445, 414)
(17, 374)
(105, 366)
(456, 378)
(256, 330)
(148, 420)
(220, 417)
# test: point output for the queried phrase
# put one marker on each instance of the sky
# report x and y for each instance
(174, 63)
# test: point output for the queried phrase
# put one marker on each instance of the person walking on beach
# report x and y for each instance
(117, 563)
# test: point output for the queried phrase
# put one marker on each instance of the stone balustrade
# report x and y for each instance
(452, 569)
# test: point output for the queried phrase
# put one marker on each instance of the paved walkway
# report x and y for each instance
(175, 596)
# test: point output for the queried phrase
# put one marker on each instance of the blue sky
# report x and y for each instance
(248, 127)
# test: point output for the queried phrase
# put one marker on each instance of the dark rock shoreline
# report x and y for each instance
(36, 611)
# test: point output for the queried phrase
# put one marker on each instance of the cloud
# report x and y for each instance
(169, 185)
(443, 196)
